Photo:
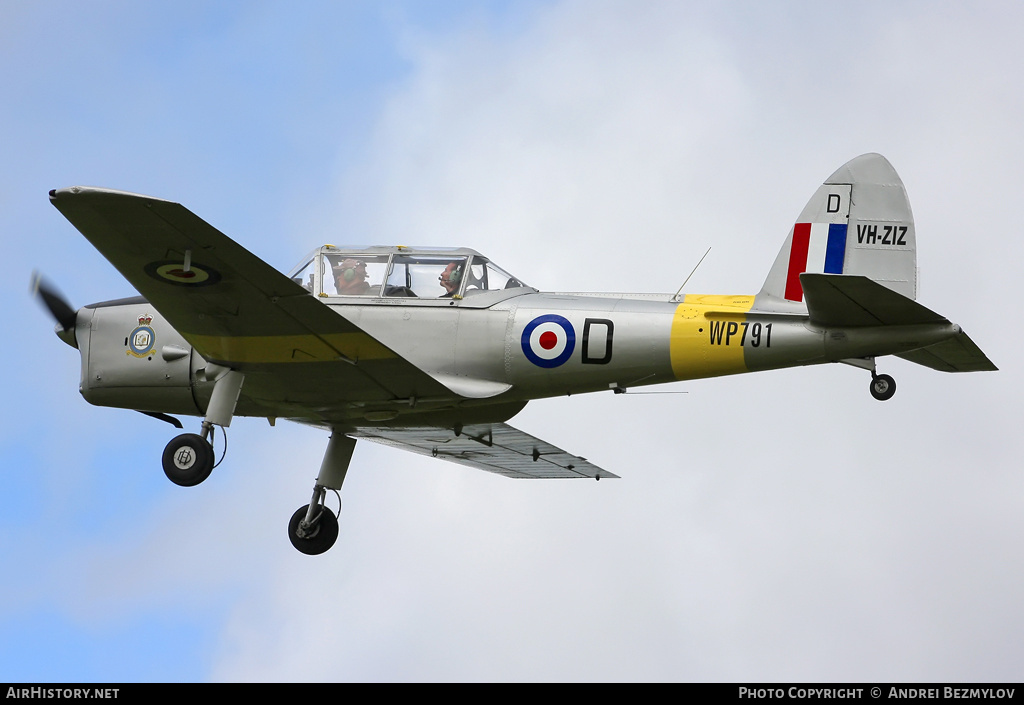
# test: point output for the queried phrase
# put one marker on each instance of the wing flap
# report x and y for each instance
(495, 447)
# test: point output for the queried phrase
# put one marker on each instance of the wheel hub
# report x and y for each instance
(184, 458)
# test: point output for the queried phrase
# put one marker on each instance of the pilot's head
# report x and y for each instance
(451, 276)
(351, 270)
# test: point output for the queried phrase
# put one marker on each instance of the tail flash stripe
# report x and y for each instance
(798, 261)
(835, 253)
(817, 247)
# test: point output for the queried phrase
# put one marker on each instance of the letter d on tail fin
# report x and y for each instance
(858, 222)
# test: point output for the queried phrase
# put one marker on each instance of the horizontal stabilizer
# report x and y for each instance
(958, 354)
(843, 300)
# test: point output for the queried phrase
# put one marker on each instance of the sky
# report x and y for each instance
(780, 526)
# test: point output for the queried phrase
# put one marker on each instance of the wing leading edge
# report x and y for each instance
(494, 447)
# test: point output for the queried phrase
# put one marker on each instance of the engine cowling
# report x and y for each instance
(134, 359)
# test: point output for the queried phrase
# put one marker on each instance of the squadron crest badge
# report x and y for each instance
(142, 339)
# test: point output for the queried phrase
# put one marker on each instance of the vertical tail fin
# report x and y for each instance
(858, 222)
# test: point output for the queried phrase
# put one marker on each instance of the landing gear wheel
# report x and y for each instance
(188, 460)
(883, 387)
(320, 537)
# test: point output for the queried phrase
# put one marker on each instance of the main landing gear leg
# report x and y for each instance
(188, 458)
(313, 529)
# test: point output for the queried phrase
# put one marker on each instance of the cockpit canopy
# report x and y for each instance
(401, 272)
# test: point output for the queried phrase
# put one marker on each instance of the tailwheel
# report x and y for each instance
(188, 460)
(313, 532)
(882, 387)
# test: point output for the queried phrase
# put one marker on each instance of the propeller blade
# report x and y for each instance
(55, 303)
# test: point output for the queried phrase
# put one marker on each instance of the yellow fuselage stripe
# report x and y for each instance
(697, 323)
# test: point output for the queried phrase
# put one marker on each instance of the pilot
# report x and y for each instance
(351, 278)
(450, 279)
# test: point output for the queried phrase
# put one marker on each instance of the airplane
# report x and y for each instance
(433, 350)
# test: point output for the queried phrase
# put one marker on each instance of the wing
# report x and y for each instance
(237, 310)
(494, 447)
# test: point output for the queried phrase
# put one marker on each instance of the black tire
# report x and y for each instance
(188, 460)
(883, 387)
(323, 538)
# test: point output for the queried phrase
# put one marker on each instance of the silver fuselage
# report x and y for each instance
(488, 351)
